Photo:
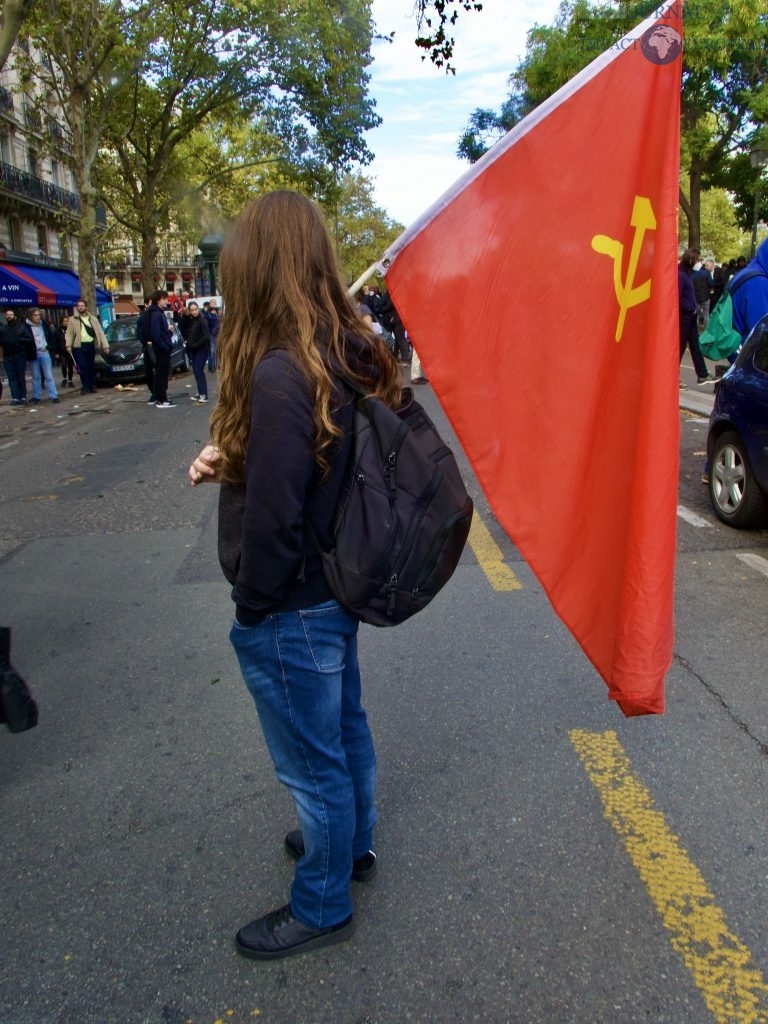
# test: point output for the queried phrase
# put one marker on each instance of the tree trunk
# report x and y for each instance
(81, 169)
(149, 251)
(694, 201)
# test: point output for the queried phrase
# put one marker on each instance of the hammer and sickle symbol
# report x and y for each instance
(628, 294)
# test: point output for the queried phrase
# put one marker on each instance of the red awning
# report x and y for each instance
(125, 307)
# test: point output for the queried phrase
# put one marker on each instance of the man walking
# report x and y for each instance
(42, 367)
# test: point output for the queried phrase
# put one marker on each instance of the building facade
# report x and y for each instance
(39, 207)
(40, 216)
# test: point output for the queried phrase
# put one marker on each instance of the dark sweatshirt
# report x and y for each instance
(262, 546)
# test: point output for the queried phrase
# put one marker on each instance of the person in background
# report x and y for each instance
(750, 300)
(719, 278)
(16, 347)
(689, 310)
(702, 288)
(214, 323)
(417, 377)
(42, 366)
(160, 341)
(198, 344)
(282, 431)
(142, 335)
(66, 362)
(84, 333)
(390, 320)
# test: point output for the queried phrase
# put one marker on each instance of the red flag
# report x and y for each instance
(541, 295)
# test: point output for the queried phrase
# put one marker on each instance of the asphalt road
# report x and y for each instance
(542, 859)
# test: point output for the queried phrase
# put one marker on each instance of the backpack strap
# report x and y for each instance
(743, 276)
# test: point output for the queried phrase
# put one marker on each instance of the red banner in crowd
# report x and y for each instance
(541, 295)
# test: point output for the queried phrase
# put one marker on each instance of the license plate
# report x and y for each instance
(122, 369)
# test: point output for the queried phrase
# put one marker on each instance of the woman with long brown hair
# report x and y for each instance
(281, 436)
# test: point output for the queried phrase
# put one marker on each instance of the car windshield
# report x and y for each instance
(121, 330)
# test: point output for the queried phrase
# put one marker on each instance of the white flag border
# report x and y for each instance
(515, 134)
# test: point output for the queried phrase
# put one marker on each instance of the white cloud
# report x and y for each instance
(424, 110)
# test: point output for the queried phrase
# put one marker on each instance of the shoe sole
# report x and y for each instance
(318, 942)
(294, 846)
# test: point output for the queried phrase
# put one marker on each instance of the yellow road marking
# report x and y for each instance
(733, 988)
(488, 554)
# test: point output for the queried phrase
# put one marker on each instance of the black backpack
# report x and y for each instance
(403, 516)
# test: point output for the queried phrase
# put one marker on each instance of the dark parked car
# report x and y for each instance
(125, 362)
(737, 444)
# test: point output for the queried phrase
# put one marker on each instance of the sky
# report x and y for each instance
(424, 110)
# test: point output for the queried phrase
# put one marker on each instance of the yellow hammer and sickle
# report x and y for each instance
(628, 294)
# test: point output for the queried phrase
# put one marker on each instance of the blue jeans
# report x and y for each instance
(42, 370)
(302, 672)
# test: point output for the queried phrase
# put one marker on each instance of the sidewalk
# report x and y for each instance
(67, 397)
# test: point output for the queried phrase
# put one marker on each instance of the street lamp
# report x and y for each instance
(758, 157)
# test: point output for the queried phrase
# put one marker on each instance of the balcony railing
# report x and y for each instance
(32, 119)
(28, 186)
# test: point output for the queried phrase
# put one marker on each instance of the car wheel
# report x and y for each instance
(735, 494)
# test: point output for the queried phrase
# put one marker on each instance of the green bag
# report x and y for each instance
(720, 338)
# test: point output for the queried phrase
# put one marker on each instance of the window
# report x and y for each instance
(64, 248)
(55, 173)
(6, 150)
(15, 233)
(32, 163)
(42, 240)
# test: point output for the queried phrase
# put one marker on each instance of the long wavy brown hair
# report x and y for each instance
(282, 288)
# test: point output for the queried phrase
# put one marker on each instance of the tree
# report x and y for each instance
(725, 68)
(362, 229)
(432, 19)
(12, 15)
(90, 49)
(721, 236)
(295, 72)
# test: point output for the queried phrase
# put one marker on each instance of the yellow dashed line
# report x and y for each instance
(488, 554)
(733, 988)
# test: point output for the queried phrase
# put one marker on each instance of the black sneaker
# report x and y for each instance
(279, 934)
(709, 379)
(363, 868)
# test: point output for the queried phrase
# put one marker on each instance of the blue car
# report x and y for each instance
(737, 443)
